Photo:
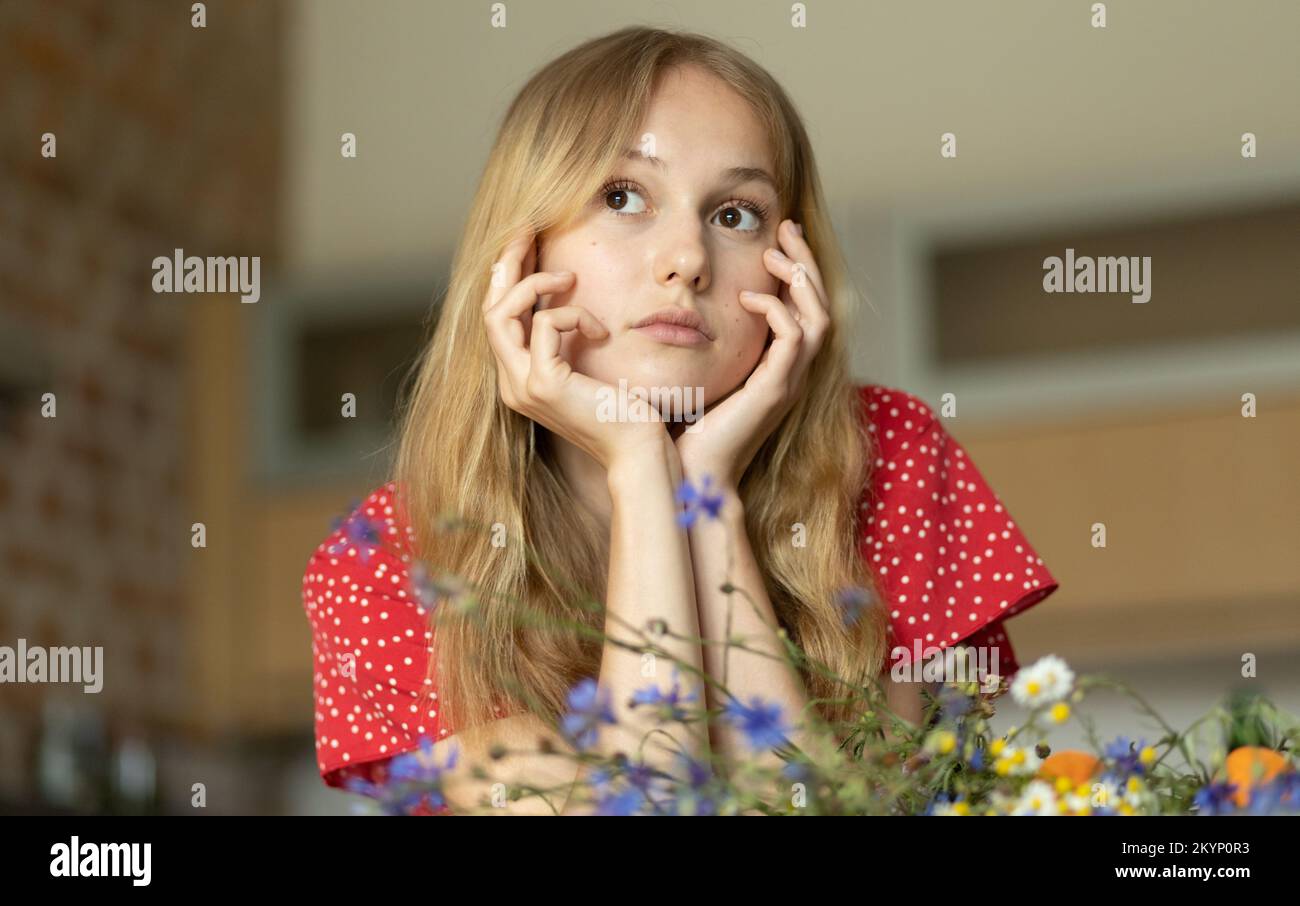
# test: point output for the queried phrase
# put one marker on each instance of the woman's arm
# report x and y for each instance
(650, 578)
(763, 673)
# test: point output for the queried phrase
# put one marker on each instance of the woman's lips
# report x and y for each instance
(673, 334)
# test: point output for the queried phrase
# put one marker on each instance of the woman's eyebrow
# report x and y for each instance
(733, 176)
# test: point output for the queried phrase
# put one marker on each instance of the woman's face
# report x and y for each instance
(687, 232)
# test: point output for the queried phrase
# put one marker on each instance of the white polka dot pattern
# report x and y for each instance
(371, 644)
(951, 561)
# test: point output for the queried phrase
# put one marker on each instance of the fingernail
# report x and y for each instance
(798, 228)
(747, 294)
(564, 273)
(776, 253)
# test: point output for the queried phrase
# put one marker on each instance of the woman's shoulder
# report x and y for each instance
(379, 520)
(951, 560)
(368, 554)
(894, 416)
(371, 641)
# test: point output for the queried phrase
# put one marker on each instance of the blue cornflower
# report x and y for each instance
(421, 766)
(698, 773)
(853, 602)
(338, 521)
(360, 532)
(1216, 799)
(1280, 796)
(390, 798)
(669, 702)
(363, 787)
(413, 779)
(588, 708)
(953, 703)
(762, 724)
(1125, 754)
(697, 501)
(622, 803)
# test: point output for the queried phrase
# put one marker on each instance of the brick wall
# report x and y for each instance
(167, 137)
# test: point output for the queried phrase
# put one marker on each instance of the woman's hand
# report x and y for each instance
(723, 442)
(534, 380)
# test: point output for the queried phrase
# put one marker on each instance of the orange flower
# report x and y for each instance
(1077, 767)
(1251, 766)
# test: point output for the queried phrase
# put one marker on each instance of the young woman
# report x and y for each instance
(650, 214)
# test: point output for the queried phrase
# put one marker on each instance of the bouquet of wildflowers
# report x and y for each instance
(1239, 758)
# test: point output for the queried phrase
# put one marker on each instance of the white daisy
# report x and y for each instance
(1024, 760)
(1105, 794)
(1047, 680)
(1076, 803)
(1037, 799)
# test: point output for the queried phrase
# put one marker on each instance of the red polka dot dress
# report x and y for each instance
(951, 563)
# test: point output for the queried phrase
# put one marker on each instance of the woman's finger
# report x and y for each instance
(502, 321)
(548, 324)
(797, 249)
(508, 269)
(787, 336)
(804, 303)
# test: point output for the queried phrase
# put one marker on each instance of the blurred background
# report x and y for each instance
(225, 140)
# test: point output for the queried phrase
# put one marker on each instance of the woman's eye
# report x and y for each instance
(734, 217)
(625, 201)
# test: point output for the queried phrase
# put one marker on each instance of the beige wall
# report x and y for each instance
(1200, 510)
(1150, 107)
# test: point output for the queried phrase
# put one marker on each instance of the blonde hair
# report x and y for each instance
(535, 631)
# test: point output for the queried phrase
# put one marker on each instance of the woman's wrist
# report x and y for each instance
(643, 466)
(719, 475)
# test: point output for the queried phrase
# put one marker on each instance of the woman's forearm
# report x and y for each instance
(650, 579)
(762, 673)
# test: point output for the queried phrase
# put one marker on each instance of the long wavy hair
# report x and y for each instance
(534, 628)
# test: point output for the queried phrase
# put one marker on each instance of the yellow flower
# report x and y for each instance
(1002, 767)
(1060, 712)
(1147, 755)
(941, 741)
(961, 808)
(996, 747)
(1063, 784)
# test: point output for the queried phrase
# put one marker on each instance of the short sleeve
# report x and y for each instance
(952, 563)
(371, 645)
